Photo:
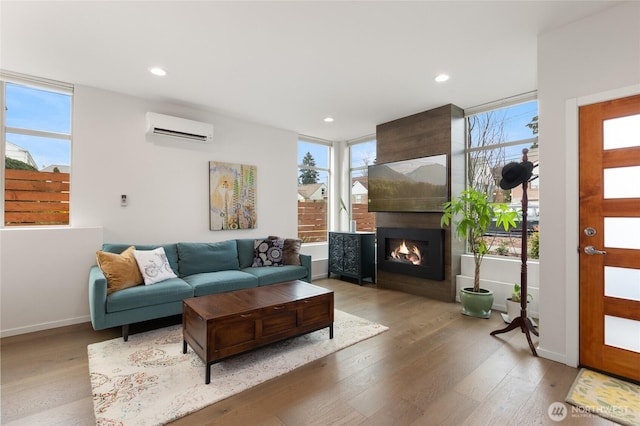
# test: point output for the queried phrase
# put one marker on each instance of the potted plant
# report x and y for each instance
(472, 214)
(514, 302)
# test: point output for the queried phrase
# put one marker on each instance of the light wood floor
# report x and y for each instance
(433, 367)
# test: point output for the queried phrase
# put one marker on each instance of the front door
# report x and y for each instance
(610, 236)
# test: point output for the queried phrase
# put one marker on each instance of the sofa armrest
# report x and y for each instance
(305, 260)
(97, 297)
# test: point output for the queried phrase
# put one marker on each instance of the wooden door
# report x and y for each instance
(610, 236)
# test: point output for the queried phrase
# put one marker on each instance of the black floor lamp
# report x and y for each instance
(514, 174)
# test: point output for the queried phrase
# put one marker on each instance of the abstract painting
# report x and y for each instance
(232, 196)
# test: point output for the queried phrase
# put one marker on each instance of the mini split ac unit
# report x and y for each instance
(166, 125)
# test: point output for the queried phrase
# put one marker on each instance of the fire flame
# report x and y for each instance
(406, 254)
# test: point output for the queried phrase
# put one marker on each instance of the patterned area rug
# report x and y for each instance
(608, 397)
(148, 381)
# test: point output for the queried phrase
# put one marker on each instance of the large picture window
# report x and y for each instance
(495, 137)
(37, 150)
(313, 190)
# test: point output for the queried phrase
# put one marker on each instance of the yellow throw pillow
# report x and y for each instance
(121, 270)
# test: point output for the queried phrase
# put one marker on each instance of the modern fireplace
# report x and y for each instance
(416, 252)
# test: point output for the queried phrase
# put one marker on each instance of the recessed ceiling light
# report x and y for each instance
(328, 119)
(157, 71)
(442, 78)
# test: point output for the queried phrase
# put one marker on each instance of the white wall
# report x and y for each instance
(44, 275)
(598, 54)
(44, 271)
(166, 180)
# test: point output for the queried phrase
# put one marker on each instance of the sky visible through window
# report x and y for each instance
(363, 154)
(319, 152)
(515, 119)
(41, 110)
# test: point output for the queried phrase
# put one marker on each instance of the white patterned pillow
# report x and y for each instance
(154, 265)
(267, 253)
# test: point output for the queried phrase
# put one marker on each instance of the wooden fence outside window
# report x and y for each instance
(42, 198)
(312, 220)
(36, 198)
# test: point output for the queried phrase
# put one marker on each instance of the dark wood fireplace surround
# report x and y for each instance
(433, 132)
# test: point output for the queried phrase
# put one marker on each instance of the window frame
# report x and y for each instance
(352, 170)
(529, 142)
(328, 170)
(37, 83)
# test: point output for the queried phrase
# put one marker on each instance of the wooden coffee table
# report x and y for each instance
(221, 325)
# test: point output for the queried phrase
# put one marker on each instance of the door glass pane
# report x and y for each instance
(622, 232)
(622, 333)
(622, 132)
(623, 283)
(617, 182)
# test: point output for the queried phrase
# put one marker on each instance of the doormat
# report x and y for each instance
(606, 396)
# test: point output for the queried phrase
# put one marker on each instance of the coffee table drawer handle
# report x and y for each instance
(277, 308)
(246, 315)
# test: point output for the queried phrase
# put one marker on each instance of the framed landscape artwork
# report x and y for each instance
(232, 196)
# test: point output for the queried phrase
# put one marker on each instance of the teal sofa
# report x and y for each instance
(201, 269)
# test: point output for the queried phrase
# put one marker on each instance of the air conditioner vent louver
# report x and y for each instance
(176, 127)
(168, 132)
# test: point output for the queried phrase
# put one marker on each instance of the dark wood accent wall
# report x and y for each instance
(433, 132)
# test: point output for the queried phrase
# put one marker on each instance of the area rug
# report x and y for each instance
(608, 397)
(149, 381)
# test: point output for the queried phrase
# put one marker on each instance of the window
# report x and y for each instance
(313, 190)
(495, 137)
(362, 154)
(37, 150)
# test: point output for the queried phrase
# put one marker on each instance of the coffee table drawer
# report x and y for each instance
(280, 319)
(233, 335)
(315, 310)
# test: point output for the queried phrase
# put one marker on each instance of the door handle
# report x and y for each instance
(591, 250)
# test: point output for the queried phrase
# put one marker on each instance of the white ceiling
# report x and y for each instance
(290, 64)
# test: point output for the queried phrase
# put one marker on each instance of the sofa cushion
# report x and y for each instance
(276, 274)
(153, 265)
(220, 282)
(196, 258)
(171, 290)
(267, 253)
(170, 250)
(245, 252)
(120, 270)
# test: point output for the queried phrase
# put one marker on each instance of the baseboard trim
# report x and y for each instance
(43, 326)
(553, 356)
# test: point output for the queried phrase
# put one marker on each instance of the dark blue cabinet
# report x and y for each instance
(352, 254)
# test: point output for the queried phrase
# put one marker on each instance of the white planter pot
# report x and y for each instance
(513, 309)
